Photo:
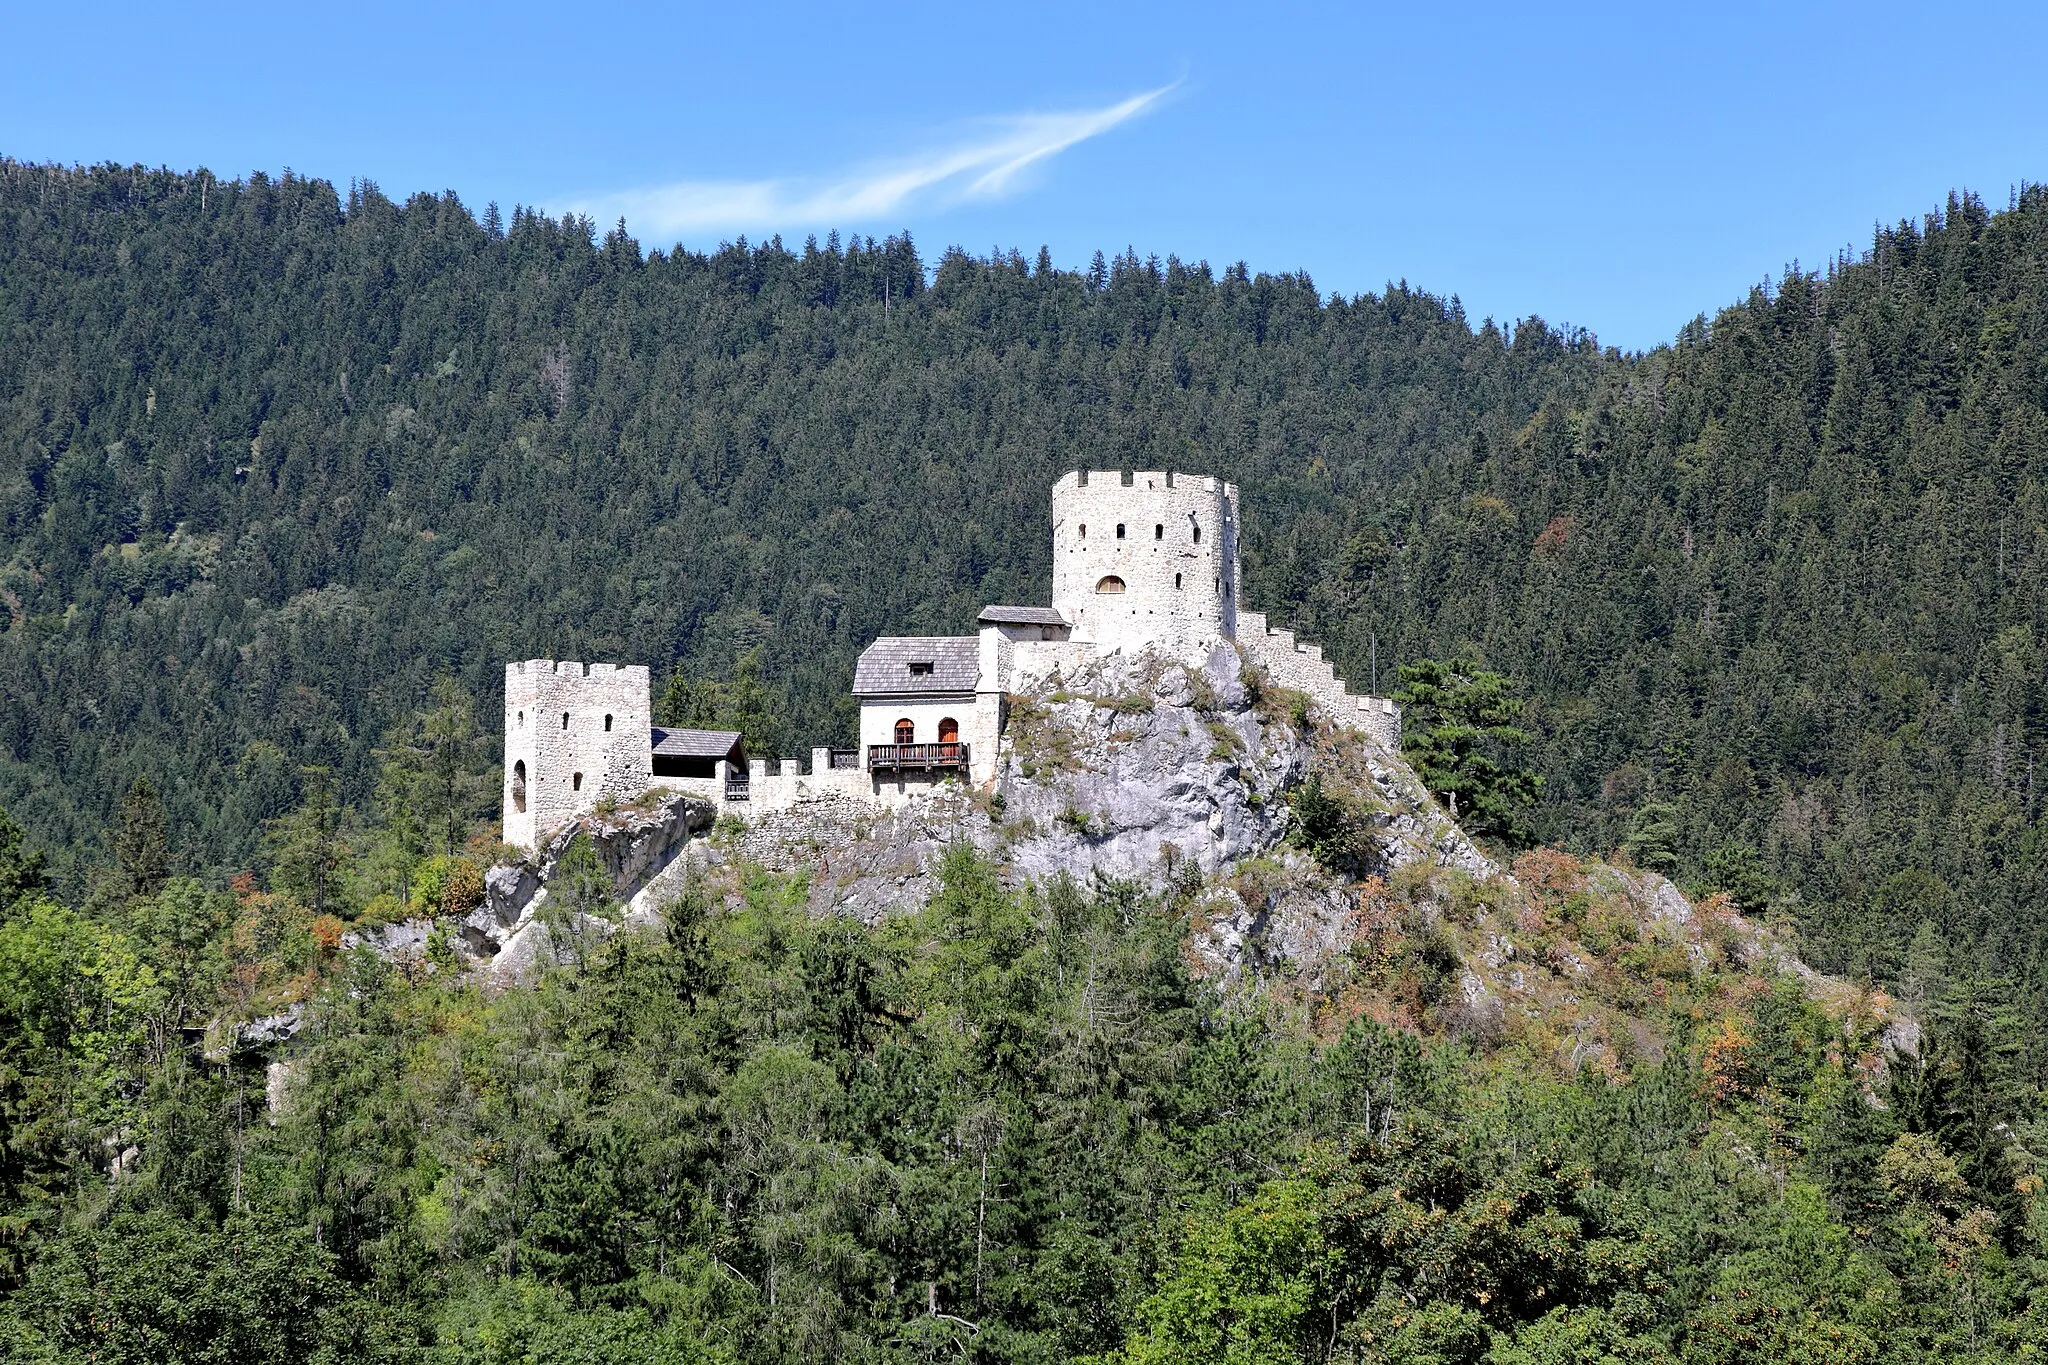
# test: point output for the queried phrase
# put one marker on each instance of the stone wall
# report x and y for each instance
(782, 785)
(1288, 662)
(574, 735)
(1171, 539)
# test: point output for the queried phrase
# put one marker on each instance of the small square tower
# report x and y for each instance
(573, 736)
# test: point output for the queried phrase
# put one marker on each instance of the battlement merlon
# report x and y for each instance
(1143, 478)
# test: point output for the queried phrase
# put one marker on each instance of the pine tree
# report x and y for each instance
(21, 867)
(309, 848)
(1458, 724)
(142, 857)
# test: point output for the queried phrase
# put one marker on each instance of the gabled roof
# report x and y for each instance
(1022, 616)
(695, 743)
(885, 668)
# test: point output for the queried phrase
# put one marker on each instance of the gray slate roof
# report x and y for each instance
(1022, 616)
(695, 743)
(884, 666)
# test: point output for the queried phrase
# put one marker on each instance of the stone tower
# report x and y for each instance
(573, 735)
(1145, 556)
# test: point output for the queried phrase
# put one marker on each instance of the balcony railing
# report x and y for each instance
(916, 757)
(736, 789)
(845, 758)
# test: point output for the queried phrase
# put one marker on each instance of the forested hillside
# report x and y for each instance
(273, 460)
(286, 477)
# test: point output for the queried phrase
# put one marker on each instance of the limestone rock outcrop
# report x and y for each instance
(1142, 765)
(640, 845)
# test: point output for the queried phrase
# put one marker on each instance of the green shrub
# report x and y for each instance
(447, 886)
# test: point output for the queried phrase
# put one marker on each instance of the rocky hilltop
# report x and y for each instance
(1185, 775)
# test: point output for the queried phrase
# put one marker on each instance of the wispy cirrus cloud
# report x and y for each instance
(987, 167)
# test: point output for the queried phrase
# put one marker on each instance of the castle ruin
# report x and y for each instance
(1140, 560)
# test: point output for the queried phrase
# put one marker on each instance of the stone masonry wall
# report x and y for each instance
(581, 733)
(1179, 587)
(1302, 667)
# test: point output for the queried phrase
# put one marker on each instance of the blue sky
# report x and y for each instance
(1619, 168)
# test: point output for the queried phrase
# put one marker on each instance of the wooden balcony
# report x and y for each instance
(917, 757)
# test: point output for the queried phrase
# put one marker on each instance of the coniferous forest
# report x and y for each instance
(287, 475)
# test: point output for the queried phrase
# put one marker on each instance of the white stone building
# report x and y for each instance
(1140, 559)
(1145, 557)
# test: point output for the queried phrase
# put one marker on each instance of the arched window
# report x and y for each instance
(1111, 584)
(607, 724)
(576, 782)
(565, 720)
(519, 785)
(906, 733)
(1159, 532)
(1119, 530)
(949, 731)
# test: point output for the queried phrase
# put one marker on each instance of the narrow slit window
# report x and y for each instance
(522, 720)
(1159, 532)
(565, 720)
(1084, 530)
(1119, 530)
(1176, 581)
(1198, 533)
(576, 782)
(607, 724)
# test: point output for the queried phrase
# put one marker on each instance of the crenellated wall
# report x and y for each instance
(1302, 667)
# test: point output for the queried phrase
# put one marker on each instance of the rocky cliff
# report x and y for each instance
(1131, 766)
(640, 847)
(1185, 774)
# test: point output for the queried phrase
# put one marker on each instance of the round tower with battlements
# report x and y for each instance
(573, 736)
(1140, 557)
